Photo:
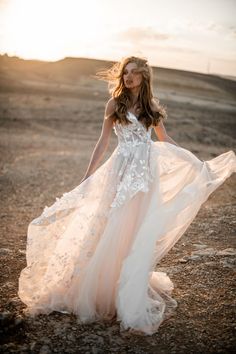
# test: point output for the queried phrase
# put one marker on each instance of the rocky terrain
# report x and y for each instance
(50, 119)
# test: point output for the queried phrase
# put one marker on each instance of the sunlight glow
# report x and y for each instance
(42, 29)
(181, 35)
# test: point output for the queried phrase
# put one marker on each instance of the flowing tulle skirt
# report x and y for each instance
(94, 254)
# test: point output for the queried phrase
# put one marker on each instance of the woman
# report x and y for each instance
(94, 251)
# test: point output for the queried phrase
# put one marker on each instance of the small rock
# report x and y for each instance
(112, 329)
(228, 263)
(93, 338)
(15, 301)
(199, 246)
(46, 340)
(18, 320)
(57, 331)
(4, 251)
(205, 252)
(117, 341)
(8, 284)
(95, 350)
(33, 345)
(194, 257)
(184, 259)
(45, 349)
(71, 337)
(227, 252)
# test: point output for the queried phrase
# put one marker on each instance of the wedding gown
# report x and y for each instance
(94, 251)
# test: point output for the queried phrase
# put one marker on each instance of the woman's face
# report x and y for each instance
(131, 76)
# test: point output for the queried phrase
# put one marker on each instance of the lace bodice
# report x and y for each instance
(131, 171)
(135, 172)
(132, 134)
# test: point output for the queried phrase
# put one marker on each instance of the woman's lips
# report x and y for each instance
(129, 82)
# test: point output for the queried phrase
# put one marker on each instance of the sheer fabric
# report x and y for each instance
(94, 251)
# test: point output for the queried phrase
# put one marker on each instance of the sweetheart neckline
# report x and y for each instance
(133, 114)
(136, 118)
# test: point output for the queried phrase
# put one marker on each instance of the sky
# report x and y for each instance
(195, 35)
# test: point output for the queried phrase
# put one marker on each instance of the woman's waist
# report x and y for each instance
(134, 143)
(131, 148)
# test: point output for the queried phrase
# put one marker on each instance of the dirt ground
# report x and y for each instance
(50, 119)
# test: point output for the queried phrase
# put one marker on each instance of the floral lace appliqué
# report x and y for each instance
(134, 144)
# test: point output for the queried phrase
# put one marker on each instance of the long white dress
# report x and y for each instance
(94, 251)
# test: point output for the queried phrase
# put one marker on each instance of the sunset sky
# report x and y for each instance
(197, 35)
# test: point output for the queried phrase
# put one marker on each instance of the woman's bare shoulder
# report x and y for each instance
(154, 104)
(110, 107)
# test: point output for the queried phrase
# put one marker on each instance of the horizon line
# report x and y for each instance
(114, 61)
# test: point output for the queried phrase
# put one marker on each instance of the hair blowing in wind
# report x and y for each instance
(147, 114)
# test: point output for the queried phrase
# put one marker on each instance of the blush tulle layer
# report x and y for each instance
(94, 252)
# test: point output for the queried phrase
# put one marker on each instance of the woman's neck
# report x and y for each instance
(134, 101)
(134, 96)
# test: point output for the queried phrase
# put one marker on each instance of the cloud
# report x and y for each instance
(140, 34)
(228, 30)
(200, 27)
(140, 40)
(213, 27)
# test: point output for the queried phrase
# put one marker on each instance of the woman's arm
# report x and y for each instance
(162, 134)
(103, 141)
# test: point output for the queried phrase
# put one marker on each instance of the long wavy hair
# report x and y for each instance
(122, 95)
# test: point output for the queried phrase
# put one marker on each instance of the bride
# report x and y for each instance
(94, 251)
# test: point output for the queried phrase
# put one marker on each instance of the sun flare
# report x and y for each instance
(47, 29)
(176, 36)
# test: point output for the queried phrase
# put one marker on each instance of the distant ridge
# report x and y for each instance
(69, 71)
